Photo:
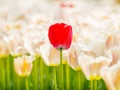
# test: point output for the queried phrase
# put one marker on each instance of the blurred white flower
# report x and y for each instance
(74, 52)
(91, 66)
(73, 57)
(23, 65)
(112, 47)
(111, 76)
(50, 55)
(34, 39)
(15, 45)
(3, 48)
(97, 46)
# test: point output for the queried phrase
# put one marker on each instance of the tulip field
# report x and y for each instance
(60, 44)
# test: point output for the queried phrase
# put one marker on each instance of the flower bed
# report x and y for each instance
(60, 45)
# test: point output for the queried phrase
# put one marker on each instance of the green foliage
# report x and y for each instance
(42, 77)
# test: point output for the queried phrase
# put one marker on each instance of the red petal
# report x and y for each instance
(60, 35)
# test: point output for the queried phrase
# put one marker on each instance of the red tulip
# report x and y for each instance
(60, 35)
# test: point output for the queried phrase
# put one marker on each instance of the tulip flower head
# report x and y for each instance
(23, 65)
(50, 55)
(91, 66)
(112, 47)
(60, 35)
(111, 76)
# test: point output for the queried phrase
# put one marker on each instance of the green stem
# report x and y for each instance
(95, 85)
(16, 78)
(55, 83)
(67, 77)
(62, 73)
(3, 73)
(91, 85)
(8, 72)
(26, 83)
(18, 82)
(36, 74)
(41, 75)
(79, 79)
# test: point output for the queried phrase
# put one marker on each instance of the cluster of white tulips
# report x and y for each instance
(95, 48)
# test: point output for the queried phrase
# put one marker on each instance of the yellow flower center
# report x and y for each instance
(95, 77)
